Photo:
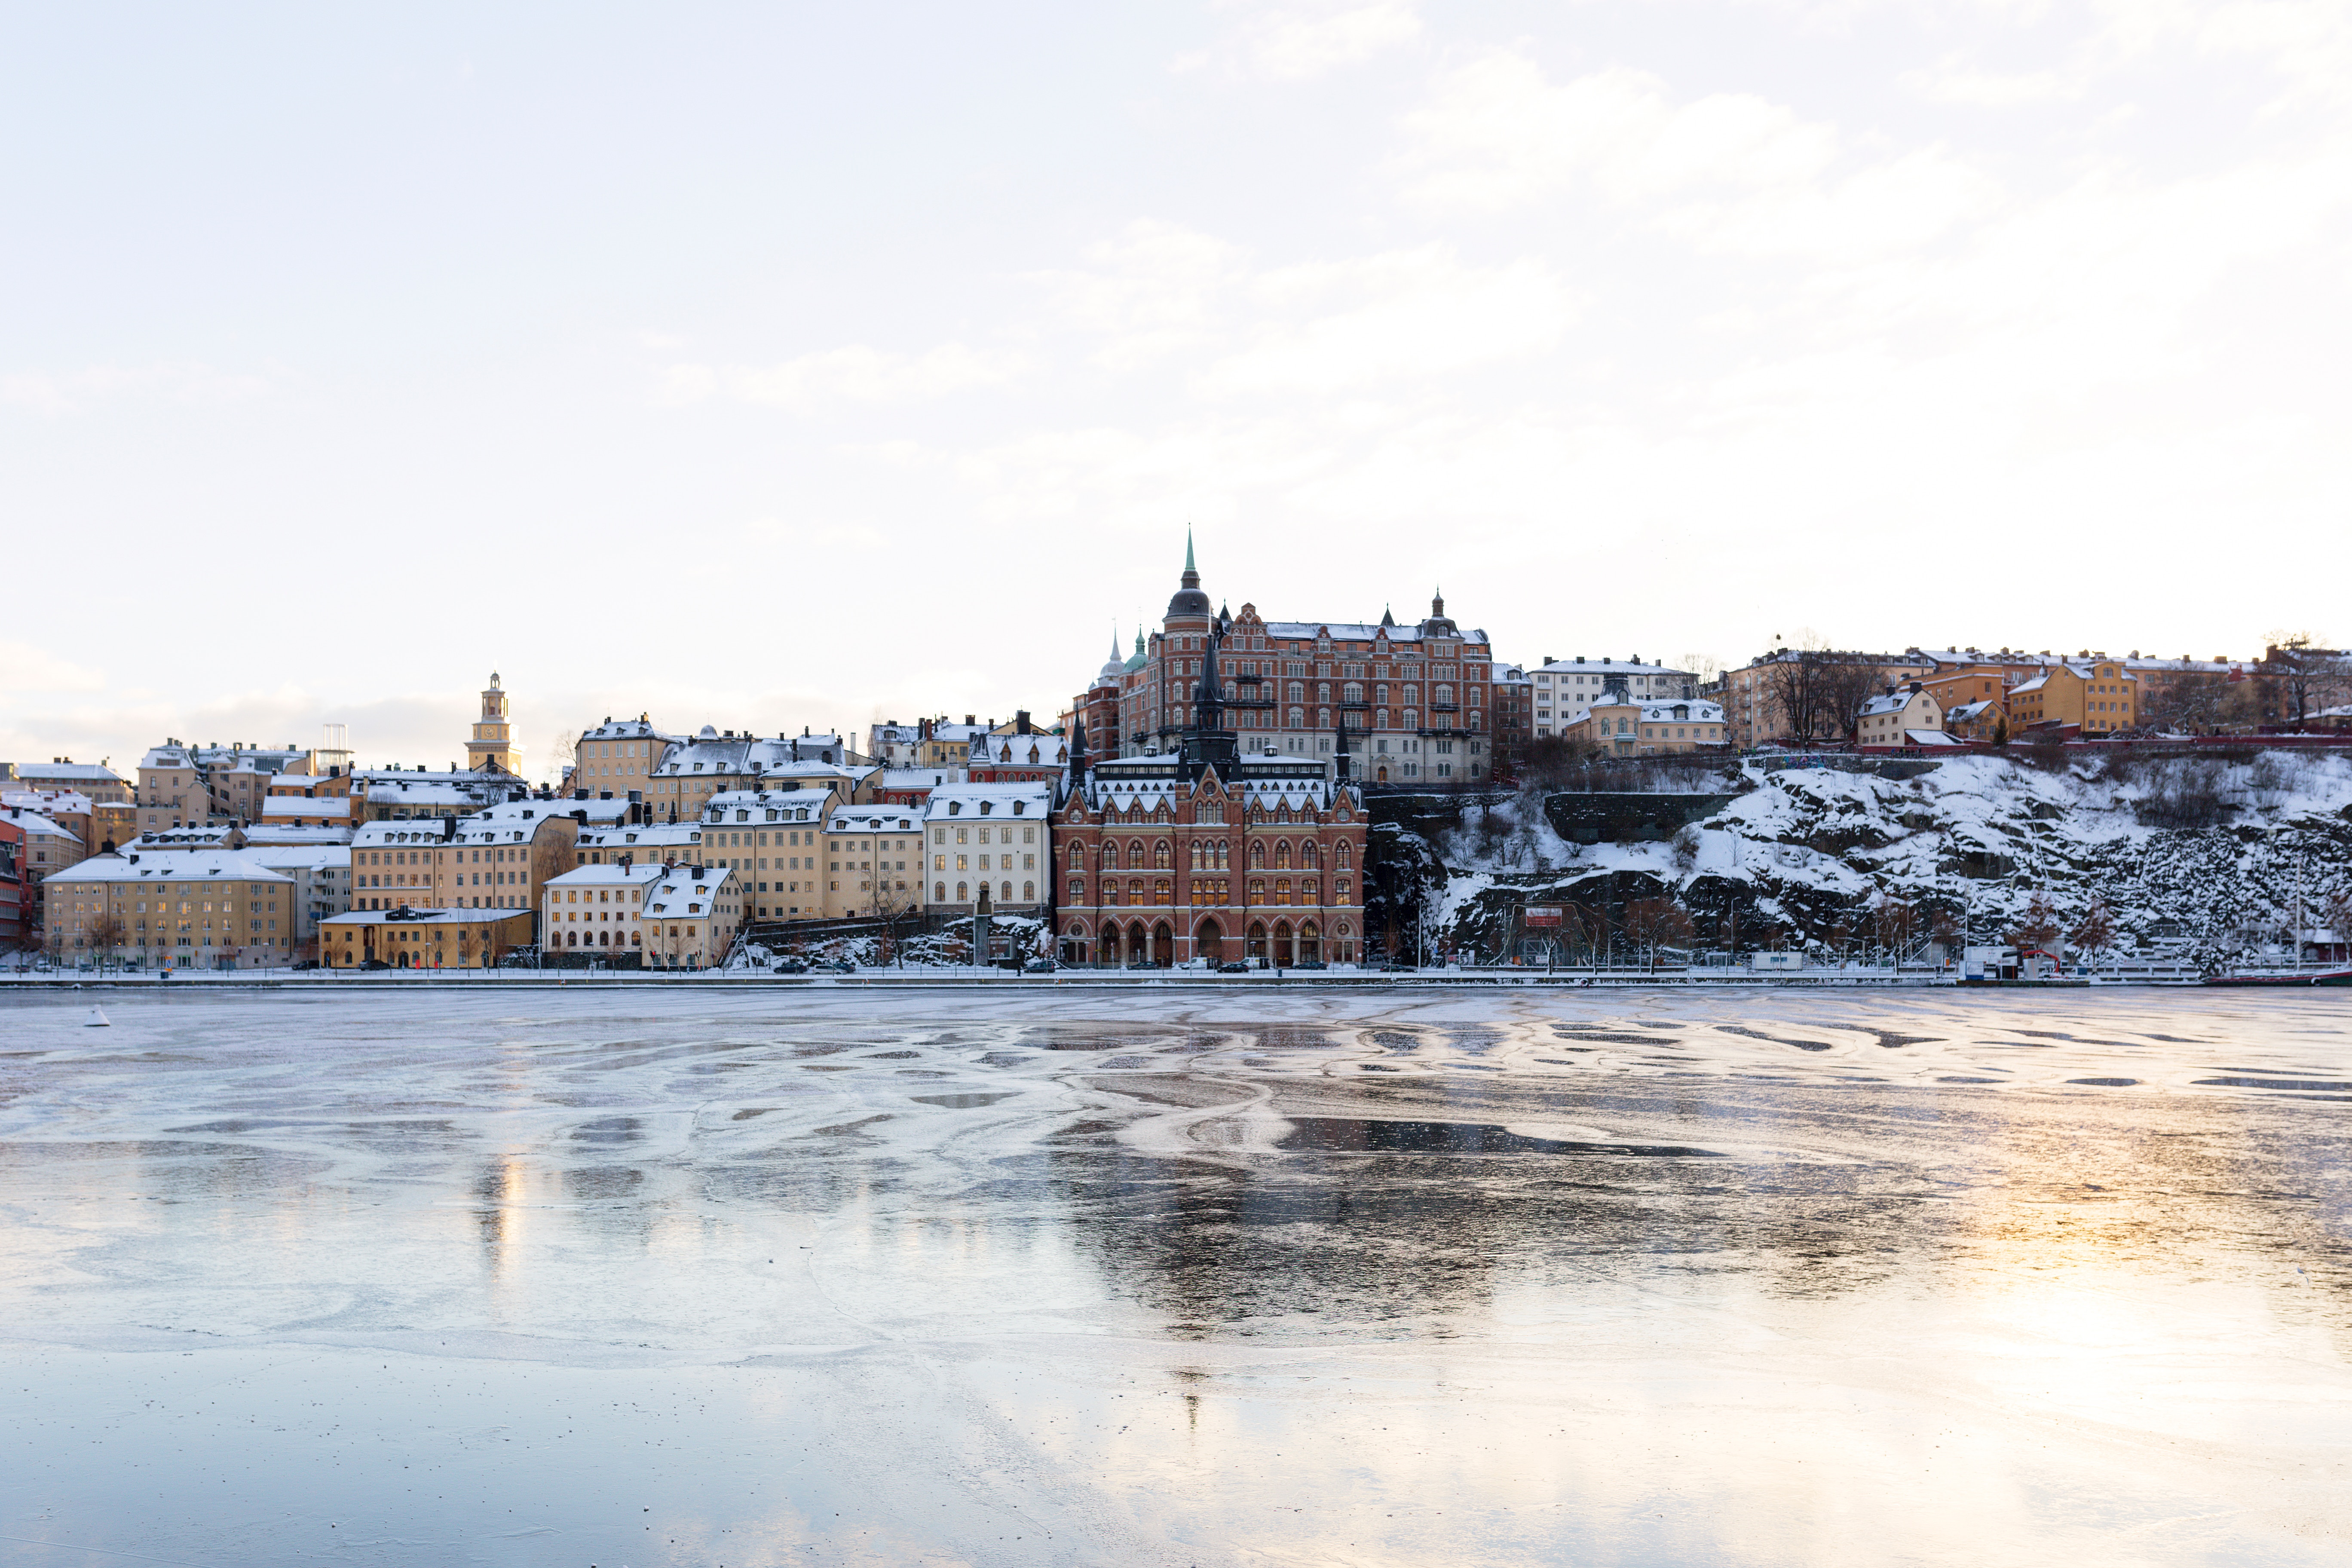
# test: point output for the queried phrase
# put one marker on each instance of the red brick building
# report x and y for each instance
(1415, 701)
(1207, 844)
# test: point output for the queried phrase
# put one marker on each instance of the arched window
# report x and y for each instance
(1135, 892)
(1257, 856)
(1282, 890)
(939, 892)
(1028, 892)
(963, 894)
(1199, 855)
(1004, 892)
(1224, 854)
(1309, 854)
(1282, 856)
(1257, 892)
(1160, 893)
(1077, 857)
(1160, 860)
(1110, 857)
(1381, 722)
(1135, 853)
(1352, 693)
(1323, 718)
(1441, 693)
(1346, 855)
(1311, 891)
(1298, 691)
(1412, 719)
(1298, 718)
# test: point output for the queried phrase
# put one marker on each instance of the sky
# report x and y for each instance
(783, 365)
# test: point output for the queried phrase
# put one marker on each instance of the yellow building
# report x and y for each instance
(2099, 695)
(172, 911)
(423, 939)
(691, 915)
(618, 756)
(492, 745)
(1629, 729)
(1892, 718)
(496, 858)
(743, 831)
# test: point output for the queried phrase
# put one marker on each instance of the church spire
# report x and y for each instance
(1191, 571)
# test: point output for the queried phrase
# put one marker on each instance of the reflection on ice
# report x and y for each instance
(725, 1278)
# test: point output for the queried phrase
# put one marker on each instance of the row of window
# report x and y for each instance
(1208, 892)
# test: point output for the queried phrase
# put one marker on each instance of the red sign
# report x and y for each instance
(1542, 914)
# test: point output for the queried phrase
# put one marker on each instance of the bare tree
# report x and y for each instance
(2039, 928)
(1894, 920)
(2302, 676)
(105, 934)
(2095, 931)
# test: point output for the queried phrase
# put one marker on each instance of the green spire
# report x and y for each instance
(1188, 549)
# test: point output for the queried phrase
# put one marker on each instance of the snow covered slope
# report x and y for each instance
(2206, 854)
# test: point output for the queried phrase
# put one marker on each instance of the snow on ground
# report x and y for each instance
(2204, 853)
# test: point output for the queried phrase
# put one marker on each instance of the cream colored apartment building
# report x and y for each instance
(600, 907)
(177, 911)
(691, 915)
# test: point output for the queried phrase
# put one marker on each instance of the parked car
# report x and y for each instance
(1310, 963)
(306, 963)
(791, 966)
(1040, 966)
(1235, 967)
(373, 963)
(839, 966)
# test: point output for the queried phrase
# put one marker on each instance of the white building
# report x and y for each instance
(691, 915)
(1565, 690)
(599, 907)
(992, 832)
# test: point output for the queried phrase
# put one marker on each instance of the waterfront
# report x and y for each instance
(670, 1278)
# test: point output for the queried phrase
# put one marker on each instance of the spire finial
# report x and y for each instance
(1188, 549)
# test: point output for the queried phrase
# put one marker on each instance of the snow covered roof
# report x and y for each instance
(636, 876)
(38, 823)
(768, 806)
(1030, 751)
(415, 794)
(417, 917)
(279, 833)
(1928, 738)
(623, 838)
(283, 857)
(687, 890)
(48, 800)
(1692, 712)
(415, 830)
(65, 774)
(173, 869)
(919, 778)
(1969, 713)
(184, 838)
(1893, 702)
(304, 805)
(1359, 631)
(1625, 667)
(1034, 799)
(636, 729)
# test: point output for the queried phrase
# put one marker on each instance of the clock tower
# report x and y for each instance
(493, 744)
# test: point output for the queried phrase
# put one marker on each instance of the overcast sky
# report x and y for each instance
(778, 365)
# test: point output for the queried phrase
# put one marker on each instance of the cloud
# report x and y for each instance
(1297, 42)
(1157, 292)
(1153, 290)
(26, 670)
(186, 381)
(857, 374)
(1730, 170)
(1402, 314)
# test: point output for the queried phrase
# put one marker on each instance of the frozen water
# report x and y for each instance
(652, 1277)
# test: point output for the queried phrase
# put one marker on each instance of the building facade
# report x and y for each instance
(1630, 729)
(174, 911)
(691, 915)
(599, 907)
(423, 939)
(1414, 699)
(992, 834)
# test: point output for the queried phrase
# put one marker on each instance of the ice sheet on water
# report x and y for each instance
(1637, 1277)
